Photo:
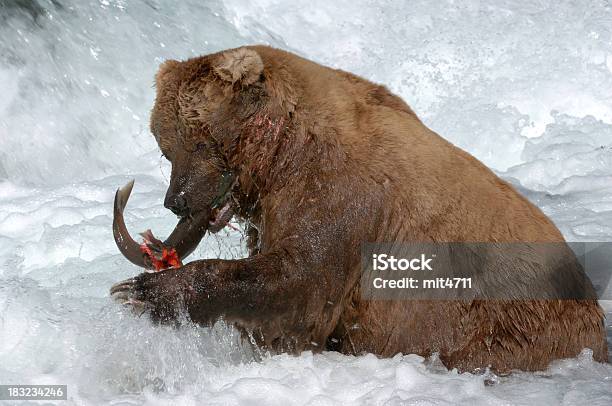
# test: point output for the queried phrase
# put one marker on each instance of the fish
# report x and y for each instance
(153, 254)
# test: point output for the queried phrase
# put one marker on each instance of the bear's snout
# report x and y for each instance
(177, 204)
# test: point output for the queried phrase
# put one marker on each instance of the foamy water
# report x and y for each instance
(524, 86)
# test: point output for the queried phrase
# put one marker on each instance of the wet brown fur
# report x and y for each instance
(326, 160)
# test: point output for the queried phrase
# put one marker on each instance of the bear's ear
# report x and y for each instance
(239, 65)
(166, 68)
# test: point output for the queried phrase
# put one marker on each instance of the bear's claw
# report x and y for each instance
(122, 287)
(124, 292)
(159, 293)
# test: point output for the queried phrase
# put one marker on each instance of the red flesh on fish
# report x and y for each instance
(160, 256)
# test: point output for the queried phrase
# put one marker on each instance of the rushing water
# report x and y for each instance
(524, 86)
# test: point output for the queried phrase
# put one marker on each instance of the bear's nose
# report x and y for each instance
(177, 205)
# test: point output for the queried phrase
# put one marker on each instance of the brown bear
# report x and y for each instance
(318, 161)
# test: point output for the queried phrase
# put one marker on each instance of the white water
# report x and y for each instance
(524, 86)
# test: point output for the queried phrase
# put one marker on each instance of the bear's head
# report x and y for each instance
(203, 109)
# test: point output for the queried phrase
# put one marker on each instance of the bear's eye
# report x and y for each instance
(200, 146)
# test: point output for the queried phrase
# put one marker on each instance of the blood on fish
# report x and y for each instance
(159, 256)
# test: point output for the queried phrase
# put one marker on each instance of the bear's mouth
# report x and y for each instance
(220, 217)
